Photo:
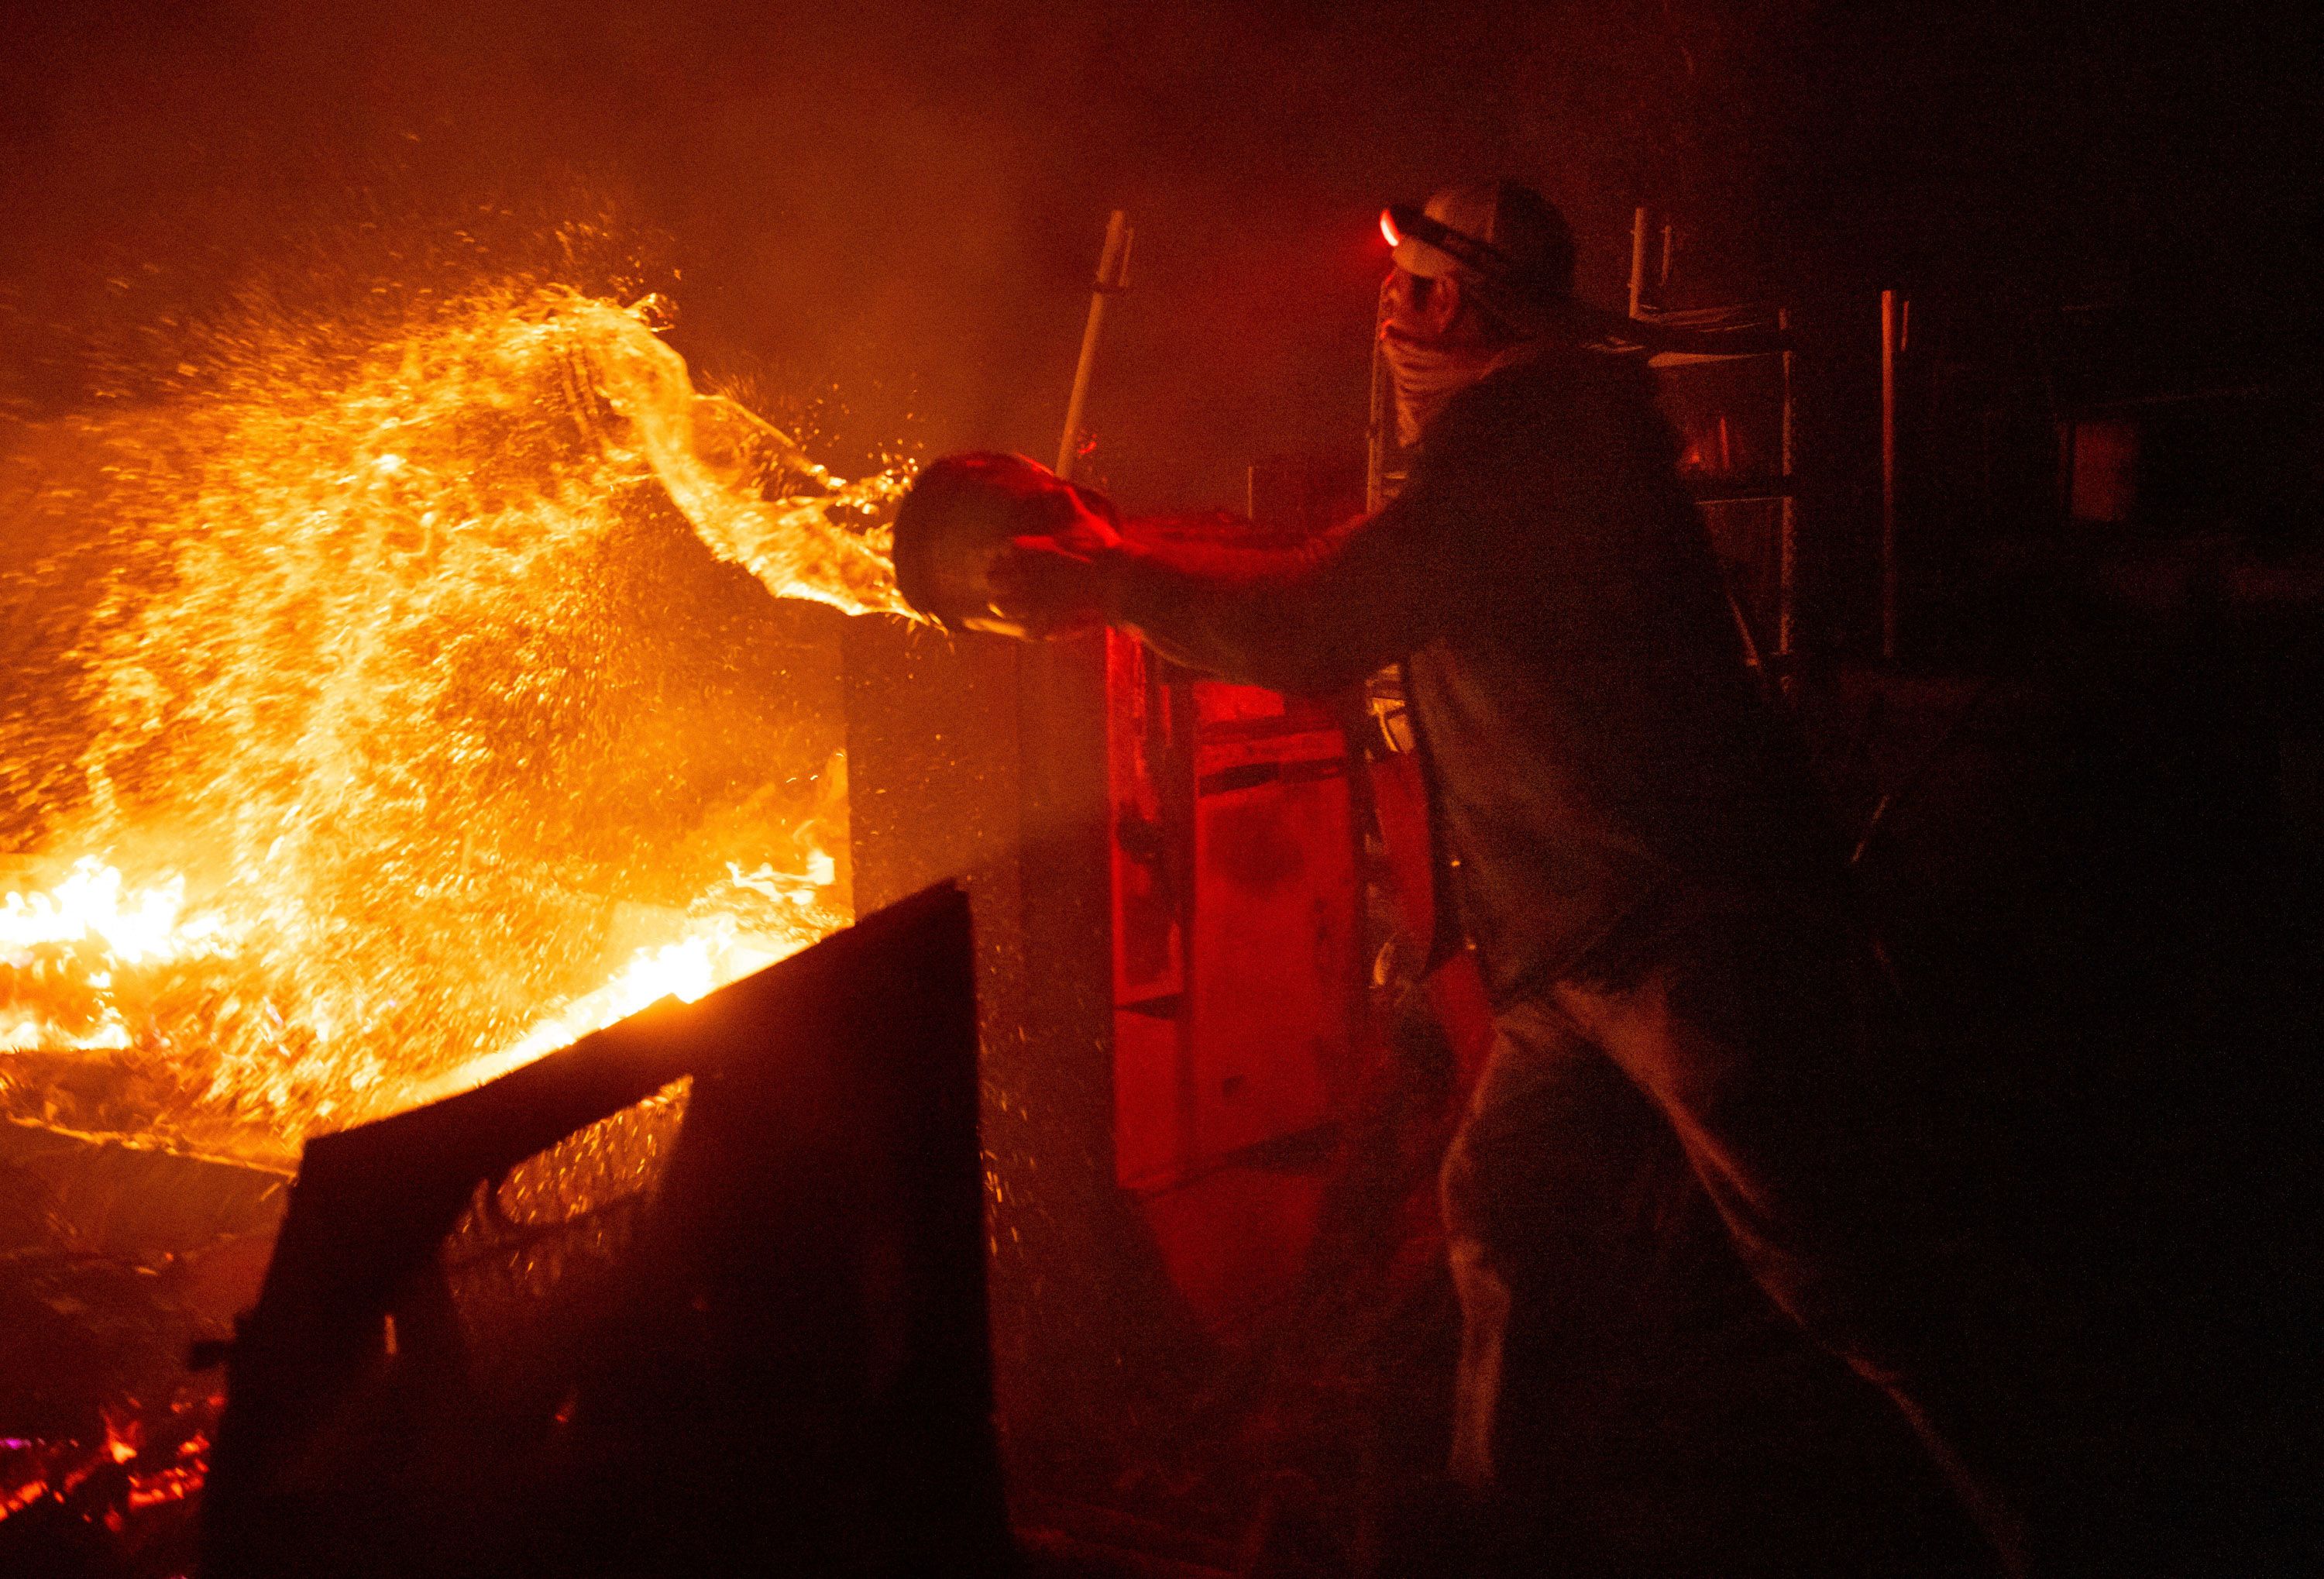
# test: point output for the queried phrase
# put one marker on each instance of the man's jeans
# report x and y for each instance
(1753, 1028)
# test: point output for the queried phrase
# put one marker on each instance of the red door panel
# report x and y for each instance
(1273, 997)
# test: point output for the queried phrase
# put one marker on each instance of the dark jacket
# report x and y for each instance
(1599, 747)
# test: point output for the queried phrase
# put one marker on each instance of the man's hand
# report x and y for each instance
(1054, 583)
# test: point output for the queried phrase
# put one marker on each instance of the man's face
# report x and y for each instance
(1398, 293)
(1417, 307)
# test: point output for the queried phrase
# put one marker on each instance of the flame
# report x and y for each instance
(368, 746)
(79, 935)
(124, 1434)
(687, 970)
(86, 908)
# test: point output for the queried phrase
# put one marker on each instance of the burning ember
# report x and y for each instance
(364, 744)
(146, 1459)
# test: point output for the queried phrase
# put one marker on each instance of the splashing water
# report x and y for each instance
(409, 710)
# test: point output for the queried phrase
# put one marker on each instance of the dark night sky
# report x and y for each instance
(903, 202)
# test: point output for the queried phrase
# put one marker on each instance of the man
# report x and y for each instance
(1640, 859)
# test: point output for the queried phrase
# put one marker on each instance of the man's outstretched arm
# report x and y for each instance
(1309, 617)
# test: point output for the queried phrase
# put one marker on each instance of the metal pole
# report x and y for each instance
(1383, 421)
(1889, 325)
(1112, 273)
(1787, 542)
(1637, 259)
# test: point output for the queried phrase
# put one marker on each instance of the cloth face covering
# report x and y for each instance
(1429, 372)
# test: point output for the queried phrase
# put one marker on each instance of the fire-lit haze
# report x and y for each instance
(361, 777)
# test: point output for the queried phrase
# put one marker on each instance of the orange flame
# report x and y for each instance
(343, 817)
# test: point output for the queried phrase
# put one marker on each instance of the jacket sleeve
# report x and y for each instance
(1310, 618)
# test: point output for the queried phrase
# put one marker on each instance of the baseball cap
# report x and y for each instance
(1524, 239)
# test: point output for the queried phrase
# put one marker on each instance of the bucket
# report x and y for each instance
(959, 518)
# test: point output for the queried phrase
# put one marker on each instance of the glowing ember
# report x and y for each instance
(165, 1453)
(380, 735)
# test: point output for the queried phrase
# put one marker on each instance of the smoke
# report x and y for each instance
(893, 208)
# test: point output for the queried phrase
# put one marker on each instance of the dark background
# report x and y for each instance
(891, 212)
